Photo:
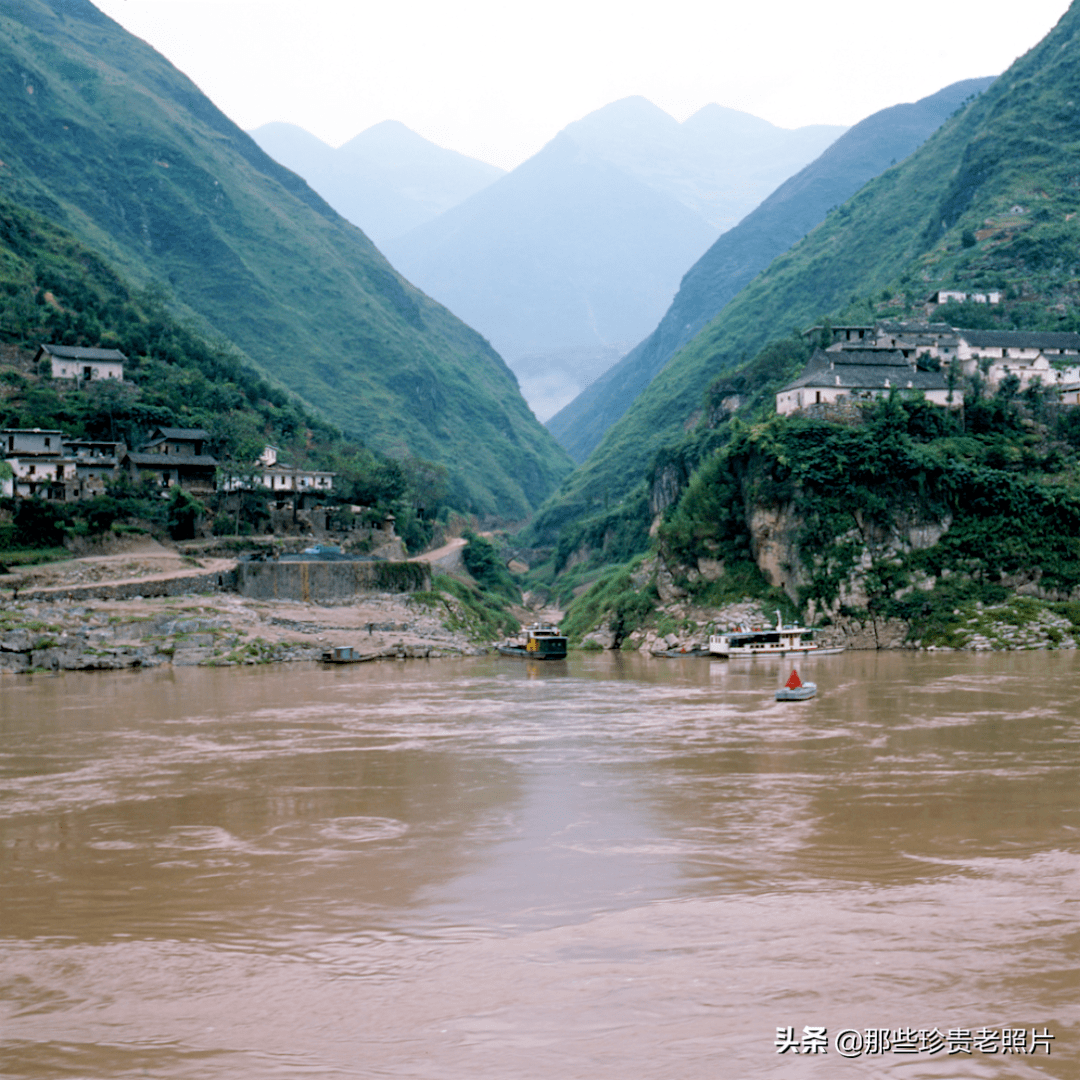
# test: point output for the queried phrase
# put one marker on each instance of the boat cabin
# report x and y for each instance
(779, 639)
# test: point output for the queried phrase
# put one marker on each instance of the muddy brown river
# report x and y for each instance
(608, 867)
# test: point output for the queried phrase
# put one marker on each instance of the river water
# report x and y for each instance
(609, 867)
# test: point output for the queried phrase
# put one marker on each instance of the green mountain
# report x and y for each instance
(990, 200)
(104, 137)
(741, 253)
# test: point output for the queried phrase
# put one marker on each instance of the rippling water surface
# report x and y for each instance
(611, 867)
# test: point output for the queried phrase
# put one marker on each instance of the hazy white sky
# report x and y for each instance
(496, 79)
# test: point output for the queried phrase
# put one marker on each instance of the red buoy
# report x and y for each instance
(794, 682)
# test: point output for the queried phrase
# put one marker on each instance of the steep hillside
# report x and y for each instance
(101, 135)
(991, 199)
(57, 290)
(386, 181)
(575, 255)
(912, 525)
(787, 215)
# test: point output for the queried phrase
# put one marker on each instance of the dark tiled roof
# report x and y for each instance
(1020, 339)
(289, 470)
(869, 377)
(915, 328)
(77, 352)
(171, 461)
(189, 433)
(867, 356)
(839, 328)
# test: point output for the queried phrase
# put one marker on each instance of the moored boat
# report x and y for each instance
(346, 654)
(772, 641)
(795, 689)
(540, 641)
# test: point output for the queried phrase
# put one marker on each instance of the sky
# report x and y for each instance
(496, 79)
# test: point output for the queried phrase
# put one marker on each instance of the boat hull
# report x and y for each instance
(737, 654)
(800, 693)
(550, 653)
(345, 655)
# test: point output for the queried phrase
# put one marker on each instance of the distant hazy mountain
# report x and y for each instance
(387, 180)
(575, 254)
(557, 263)
(740, 254)
(720, 162)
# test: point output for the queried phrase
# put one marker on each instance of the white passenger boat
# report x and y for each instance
(779, 640)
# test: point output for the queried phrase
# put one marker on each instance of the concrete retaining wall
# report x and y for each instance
(315, 582)
(125, 590)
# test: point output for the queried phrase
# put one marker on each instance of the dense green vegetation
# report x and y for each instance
(484, 562)
(741, 253)
(1001, 172)
(482, 616)
(99, 134)
(618, 598)
(56, 290)
(593, 537)
(999, 484)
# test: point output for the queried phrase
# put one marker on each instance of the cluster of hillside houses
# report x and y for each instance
(864, 362)
(52, 465)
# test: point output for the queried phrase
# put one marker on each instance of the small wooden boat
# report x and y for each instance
(795, 689)
(537, 642)
(346, 654)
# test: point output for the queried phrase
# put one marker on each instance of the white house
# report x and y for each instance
(279, 477)
(1030, 355)
(32, 441)
(93, 463)
(42, 476)
(85, 365)
(47, 464)
(865, 373)
(943, 296)
(1051, 357)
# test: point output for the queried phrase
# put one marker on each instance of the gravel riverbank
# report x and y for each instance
(218, 629)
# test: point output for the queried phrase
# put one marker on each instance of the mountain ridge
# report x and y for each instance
(790, 212)
(987, 202)
(387, 180)
(567, 260)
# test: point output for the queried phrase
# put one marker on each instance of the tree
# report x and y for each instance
(427, 485)
(184, 511)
